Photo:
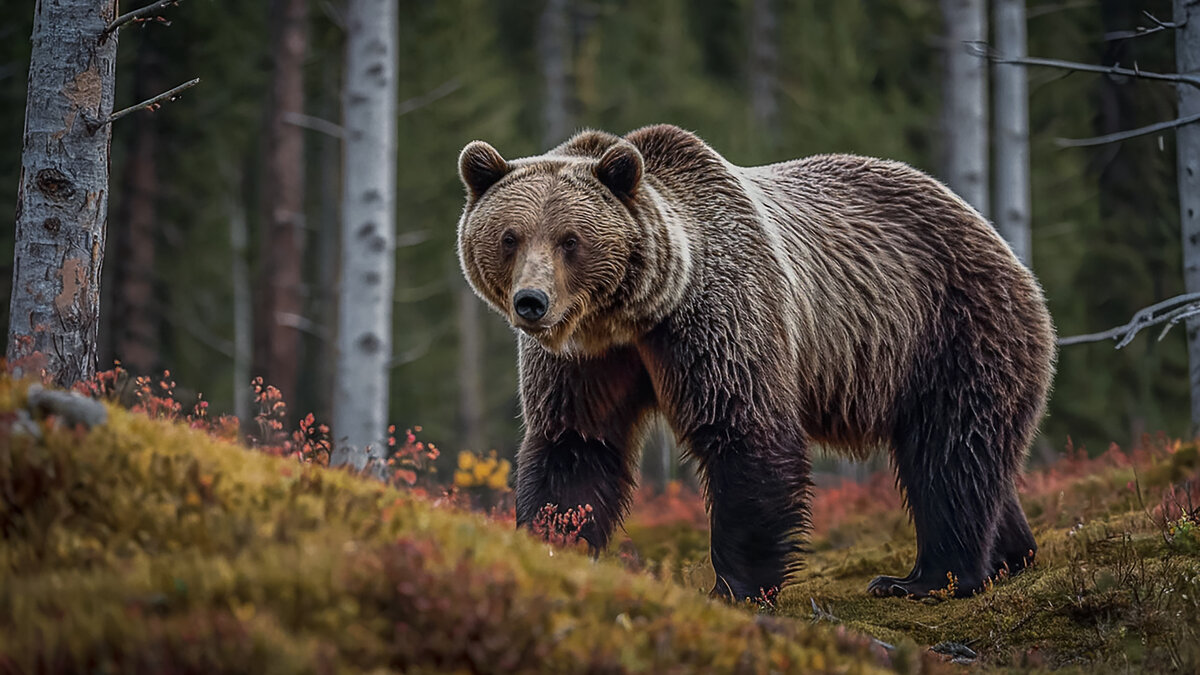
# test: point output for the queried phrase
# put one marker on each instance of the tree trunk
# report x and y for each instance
(135, 331)
(1012, 212)
(470, 370)
(62, 199)
(554, 50)
(658, 456)
(280, 307)
(328, 188)
(1187, 138)
(964, 102)
(243, 315)
(764, 61)
(368, 233)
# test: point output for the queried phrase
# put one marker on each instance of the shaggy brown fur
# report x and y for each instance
(847, 301)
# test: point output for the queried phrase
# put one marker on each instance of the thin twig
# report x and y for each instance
(315, 124)
(445, 89)
(1140, 31)
(1176, 309)
(1045, 10)
(1166, 25)
(1125, 135)
(982, 51)
(136, 14)
(150, 103)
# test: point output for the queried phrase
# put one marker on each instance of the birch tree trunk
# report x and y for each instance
(368, 233)
(554, 51)
(1012, 209)
(280, 308)
(62, 198)
(1187, 139)
(964, 102)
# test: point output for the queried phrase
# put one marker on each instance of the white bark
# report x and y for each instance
(368, 233)
(964, 102)
(1012, 208)
(62, 200)
(554, 51)
(1187, 139)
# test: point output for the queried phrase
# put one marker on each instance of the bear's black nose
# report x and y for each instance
(531, 304)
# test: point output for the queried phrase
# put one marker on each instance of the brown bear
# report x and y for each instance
(844, 301)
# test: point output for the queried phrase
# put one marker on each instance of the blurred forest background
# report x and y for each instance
(761, 81)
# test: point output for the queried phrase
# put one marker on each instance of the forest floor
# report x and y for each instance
(1115, 588)
(143, 545)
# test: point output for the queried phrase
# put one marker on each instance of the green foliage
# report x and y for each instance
(852, 77)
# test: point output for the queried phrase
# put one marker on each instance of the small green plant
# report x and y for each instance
(1183, 534)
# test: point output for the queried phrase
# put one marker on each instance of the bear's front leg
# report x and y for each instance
(571, 472)
(580, 414)
(758, 489)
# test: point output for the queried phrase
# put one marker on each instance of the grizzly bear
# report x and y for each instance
(840, 301)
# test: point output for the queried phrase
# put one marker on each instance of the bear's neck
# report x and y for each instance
(661, 265)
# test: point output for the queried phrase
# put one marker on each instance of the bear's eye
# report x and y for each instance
(570, 243)
(509, 240)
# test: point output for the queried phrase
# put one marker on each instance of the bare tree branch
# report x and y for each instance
(1045, 10)
(150, 104)
(315, 124)
(136, 14)
(1141, 31)
(1125, 135)
(303, 324)
(441, 91)
(1170, 311)
(983, 51)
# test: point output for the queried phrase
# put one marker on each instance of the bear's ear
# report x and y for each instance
(480, 166)
(620, 169)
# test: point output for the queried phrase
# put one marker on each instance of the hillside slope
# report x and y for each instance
(145, 546)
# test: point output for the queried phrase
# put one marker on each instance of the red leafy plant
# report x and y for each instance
(561, 528)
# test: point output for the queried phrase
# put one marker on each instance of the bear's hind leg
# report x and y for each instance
(954, 470)
(1014, 549)
(758, 508)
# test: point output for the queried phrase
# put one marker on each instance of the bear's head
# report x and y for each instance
(546, 241)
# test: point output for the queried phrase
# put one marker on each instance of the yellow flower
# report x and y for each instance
(466, 459)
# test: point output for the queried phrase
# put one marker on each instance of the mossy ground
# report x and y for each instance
(145, 546)
(1115, 589)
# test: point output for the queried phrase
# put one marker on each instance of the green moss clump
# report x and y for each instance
(144, 546)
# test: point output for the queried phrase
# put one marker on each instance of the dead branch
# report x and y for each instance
(983, 51)
(1103, 70)
(417, 102)
(1125, 135)
(136, 14)
(1170, 312)
(150, 104)
(1141, 31)
(317, 124)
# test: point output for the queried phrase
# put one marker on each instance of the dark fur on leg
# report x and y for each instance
(1015, 548)
(572, 472)
(758, 508)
